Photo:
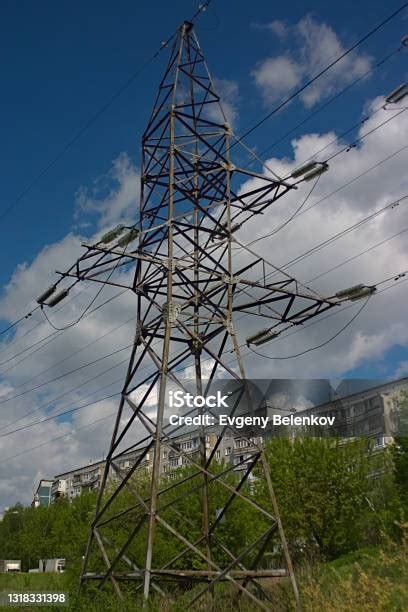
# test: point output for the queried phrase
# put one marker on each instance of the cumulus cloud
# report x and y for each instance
(114, 196)
(331, 208)
(402, 370)
(228, 92)
(313, 45)
(79, 379)
(277, 26)
(276, 76)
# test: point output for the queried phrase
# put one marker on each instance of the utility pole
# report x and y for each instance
(188, 288)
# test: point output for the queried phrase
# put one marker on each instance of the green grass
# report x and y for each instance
(368, 580)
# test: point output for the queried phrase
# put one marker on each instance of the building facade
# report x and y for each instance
(73, 483)
(372, 412)
(42, 496)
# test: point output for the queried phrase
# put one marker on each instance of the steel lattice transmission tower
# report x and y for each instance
(188, 289)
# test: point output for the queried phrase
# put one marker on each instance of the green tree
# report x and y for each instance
(323, 490)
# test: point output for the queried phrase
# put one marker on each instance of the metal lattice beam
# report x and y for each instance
(188, 286)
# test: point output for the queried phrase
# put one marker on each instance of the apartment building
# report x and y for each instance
(42, 496)
(73, 483)
(174, 456)
(372, 412)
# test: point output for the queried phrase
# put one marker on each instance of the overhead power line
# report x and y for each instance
(57, 438)
(18, 339)
(55, 335)
(328, 102)
(297, 330)
(94, 118)
(347, 230)
(360, 254)
(75, 353)
(318, 246)
(299, 90)
(314, 348)
(61, 376)
(60, 414)
(345, 148)
(301, 210)
(342, 233)
(17, 321)
(54, 399)
(143, 368)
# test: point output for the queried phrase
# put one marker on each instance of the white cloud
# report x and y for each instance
(277, 26)
(314, 45)
(228, 92)
(402, 370)
(114, 197)
(381, 325)
(276, 76)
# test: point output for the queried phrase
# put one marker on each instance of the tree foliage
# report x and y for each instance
(333, 496)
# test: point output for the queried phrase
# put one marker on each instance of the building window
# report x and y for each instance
(379, 442)
(240, 443)
(164, 454)
(186, 445)
(217, 454)
(227, 451)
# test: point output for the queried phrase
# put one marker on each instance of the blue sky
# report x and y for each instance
(63, 61)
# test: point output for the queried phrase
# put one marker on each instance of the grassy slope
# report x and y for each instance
(370, 580)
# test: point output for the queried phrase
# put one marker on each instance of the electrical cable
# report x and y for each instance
(55, 336)
(354, 257)
(27, 450)
(76, 352)
(17, 339)
(68, 392)
(299, 90)
(353, 144)
(56, 416)
(393, 277)
(387, 206)
(205, 360)
(292, 216)
(321, 245)
(202, 8)
(342, 233)
(93, 119)
(15, 323)
(97, 294)
(313, 349)
(327, 103)
(301, 210)
(309, 350)
(61, 376)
